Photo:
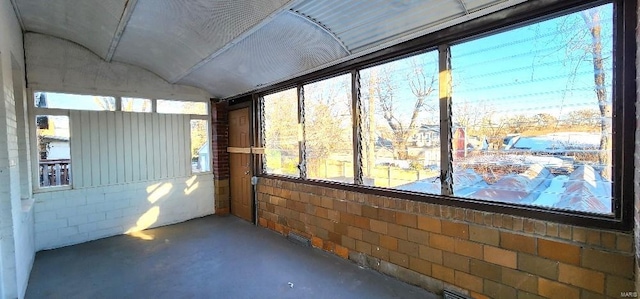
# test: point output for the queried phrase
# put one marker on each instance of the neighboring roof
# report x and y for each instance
(55, 138)
(583, 190)
(232, 47)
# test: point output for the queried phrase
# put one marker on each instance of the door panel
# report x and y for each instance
(240, 181)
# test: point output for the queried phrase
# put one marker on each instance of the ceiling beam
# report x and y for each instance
(466, 11)
(129, 6)
(235, 41)
(18, 14)
(324, 28)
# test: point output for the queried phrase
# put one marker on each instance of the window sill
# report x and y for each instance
(534, 212)
(52, 189)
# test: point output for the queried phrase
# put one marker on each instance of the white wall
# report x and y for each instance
(110, 148)
(16, 223)
(55, 64)
(80, 215)
(108, 205)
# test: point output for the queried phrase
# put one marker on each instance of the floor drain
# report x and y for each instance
(298, 239)
(453, 295)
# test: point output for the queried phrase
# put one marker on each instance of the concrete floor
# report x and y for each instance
(211, 257)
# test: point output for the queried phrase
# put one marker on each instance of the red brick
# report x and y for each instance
(420, 265)
(469, 282)
(562, 252)
(500, 256)
(518, 242)
(431, 254)
(316, 242)
(456, 262)
(418, 236)
(342, 252)
(389, 242)
(580, 277)
(429, 224)
(467, 248)
(618, 264)
(556, 290)
(378, 226)
(408, 220)
(399, 259)
(484, 235)
(441, 242)
(442, 273)
(455, 229)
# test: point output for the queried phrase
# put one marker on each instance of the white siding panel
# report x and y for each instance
(156, 146)
(163, 145)
(85, 123)
(185, 156)
(95, 148)
(103, 151)
(135, 147)
(112, 147)
(77, 179)
(128, 169)
(119, 140)
(170, 145)
(148, 118)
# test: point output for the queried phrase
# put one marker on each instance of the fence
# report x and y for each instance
(55, 172)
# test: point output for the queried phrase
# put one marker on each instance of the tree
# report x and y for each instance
(404, 120)
(592, 19)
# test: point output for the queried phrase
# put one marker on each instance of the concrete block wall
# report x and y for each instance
(74, 216)
(16, 219)
(481, 254)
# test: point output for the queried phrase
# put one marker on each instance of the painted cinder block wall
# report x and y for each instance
(82, 214)
(16, 224)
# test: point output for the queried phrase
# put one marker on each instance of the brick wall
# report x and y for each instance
(220, 157)
(440, 247)
(79, 215)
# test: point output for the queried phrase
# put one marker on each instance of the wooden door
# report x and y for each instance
(240, 181)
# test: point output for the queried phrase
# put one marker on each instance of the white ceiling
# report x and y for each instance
(230, 47)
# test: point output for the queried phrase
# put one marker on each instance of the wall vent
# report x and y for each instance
(298, 239)
(453, 295)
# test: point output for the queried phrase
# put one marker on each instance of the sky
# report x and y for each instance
(540, 68)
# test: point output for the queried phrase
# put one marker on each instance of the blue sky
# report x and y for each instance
(540, 68)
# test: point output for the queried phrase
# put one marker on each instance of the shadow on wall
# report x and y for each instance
(156, 193)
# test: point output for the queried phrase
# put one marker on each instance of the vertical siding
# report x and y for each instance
(110, 148)
(76, 149)
(119, 129)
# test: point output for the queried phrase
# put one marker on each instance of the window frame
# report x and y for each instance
(623, 95)
(33, 111)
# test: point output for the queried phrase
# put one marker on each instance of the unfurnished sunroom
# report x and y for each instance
(478, 148)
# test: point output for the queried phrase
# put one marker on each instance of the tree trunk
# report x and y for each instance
(592, 19)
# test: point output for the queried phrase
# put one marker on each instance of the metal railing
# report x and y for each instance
(55, 172)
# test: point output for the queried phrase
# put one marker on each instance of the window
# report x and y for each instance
(527, 119)
(54, 150)
(74, 101)
(401, 124)
(281, 133)
(182, 107)
(328, 130)
(136, 105)
(200, 149)
(528, 115)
